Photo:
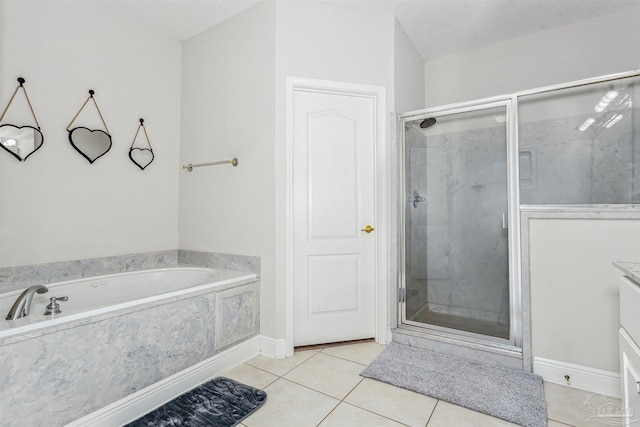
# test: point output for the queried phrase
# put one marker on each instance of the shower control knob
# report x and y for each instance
(368, 229)
(416, 198)
(54, 307)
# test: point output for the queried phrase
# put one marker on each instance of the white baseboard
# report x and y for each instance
(133, 406)
(582, 377)
(274, 348)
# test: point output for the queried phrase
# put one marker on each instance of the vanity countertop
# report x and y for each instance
(630, 269)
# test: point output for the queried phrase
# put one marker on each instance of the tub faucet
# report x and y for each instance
(23, 303)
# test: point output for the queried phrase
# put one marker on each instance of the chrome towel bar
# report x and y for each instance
(190, 167)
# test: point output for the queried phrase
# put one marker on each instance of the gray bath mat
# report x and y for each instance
(511, 395)
(221, 402)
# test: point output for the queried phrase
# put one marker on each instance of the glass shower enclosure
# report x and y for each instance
(469, 172)
(460, 197)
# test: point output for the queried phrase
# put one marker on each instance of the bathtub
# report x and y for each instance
(117, 334)
(103, 294)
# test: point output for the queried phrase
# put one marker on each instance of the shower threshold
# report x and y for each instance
(462, 323)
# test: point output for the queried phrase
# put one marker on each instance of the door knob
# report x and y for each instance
(368, 229)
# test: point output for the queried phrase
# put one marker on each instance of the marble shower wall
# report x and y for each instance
(457, 251)
(599, 166)
(416, 222)
(473, 179)
(457, 258)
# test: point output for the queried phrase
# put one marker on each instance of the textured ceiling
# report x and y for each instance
(443, 27)
(180, 19)
(437, 27)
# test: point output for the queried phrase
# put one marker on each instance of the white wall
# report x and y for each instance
(56, 206)
(599, 46)
(231, 88)
(408, 73)
(340, 41)
(228, 111)
(234, 105)
(574, 290)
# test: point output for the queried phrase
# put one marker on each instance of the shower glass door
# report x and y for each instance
(456, 222)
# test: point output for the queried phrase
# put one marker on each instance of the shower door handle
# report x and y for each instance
(505, 221)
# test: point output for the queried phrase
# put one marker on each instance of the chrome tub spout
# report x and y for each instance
(22, 305)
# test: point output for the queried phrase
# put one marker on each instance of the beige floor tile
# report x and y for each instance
(402, 405)
(363, 353)
(280, 367)
(290, 404)
(327, 374)
(348, 415)
(447, 415)
(572, 406)
(250, 375)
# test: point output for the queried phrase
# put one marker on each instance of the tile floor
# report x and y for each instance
(322, 387)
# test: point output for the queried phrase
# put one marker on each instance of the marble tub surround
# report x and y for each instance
(246, 263)
(126, 293)
(72, 371)
(17, 277)
(630, 269)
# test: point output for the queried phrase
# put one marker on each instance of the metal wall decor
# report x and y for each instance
(20, 141)
(91, 143)
(142, 157)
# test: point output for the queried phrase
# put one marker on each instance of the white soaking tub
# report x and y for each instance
(102, 294)
(117, 334)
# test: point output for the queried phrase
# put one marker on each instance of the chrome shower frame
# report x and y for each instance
(514, 343)
(516, 351)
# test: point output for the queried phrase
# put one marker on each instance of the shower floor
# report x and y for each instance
(482, 327)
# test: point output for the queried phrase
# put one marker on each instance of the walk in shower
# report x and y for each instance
(468, 171)
(457, 221)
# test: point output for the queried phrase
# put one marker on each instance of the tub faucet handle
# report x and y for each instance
(54, 307)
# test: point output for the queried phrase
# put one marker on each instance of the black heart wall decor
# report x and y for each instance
(142, 157)
(92, 144)
(20, 141)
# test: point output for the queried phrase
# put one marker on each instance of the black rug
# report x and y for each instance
(220, 402)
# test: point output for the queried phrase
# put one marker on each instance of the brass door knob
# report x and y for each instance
(368, 229)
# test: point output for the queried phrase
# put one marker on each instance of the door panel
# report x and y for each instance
(333, 281)
(333, 180)
(333, 199)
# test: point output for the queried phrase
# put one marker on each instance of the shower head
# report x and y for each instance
(427, 123)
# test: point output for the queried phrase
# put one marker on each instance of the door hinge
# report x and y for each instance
(402, 294)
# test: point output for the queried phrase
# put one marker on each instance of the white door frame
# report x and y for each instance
(378, 95)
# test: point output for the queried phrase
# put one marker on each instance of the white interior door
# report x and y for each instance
(334, 138)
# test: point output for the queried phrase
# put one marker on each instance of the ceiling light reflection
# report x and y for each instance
(587, 123)
(615, 119)
(606, 100)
